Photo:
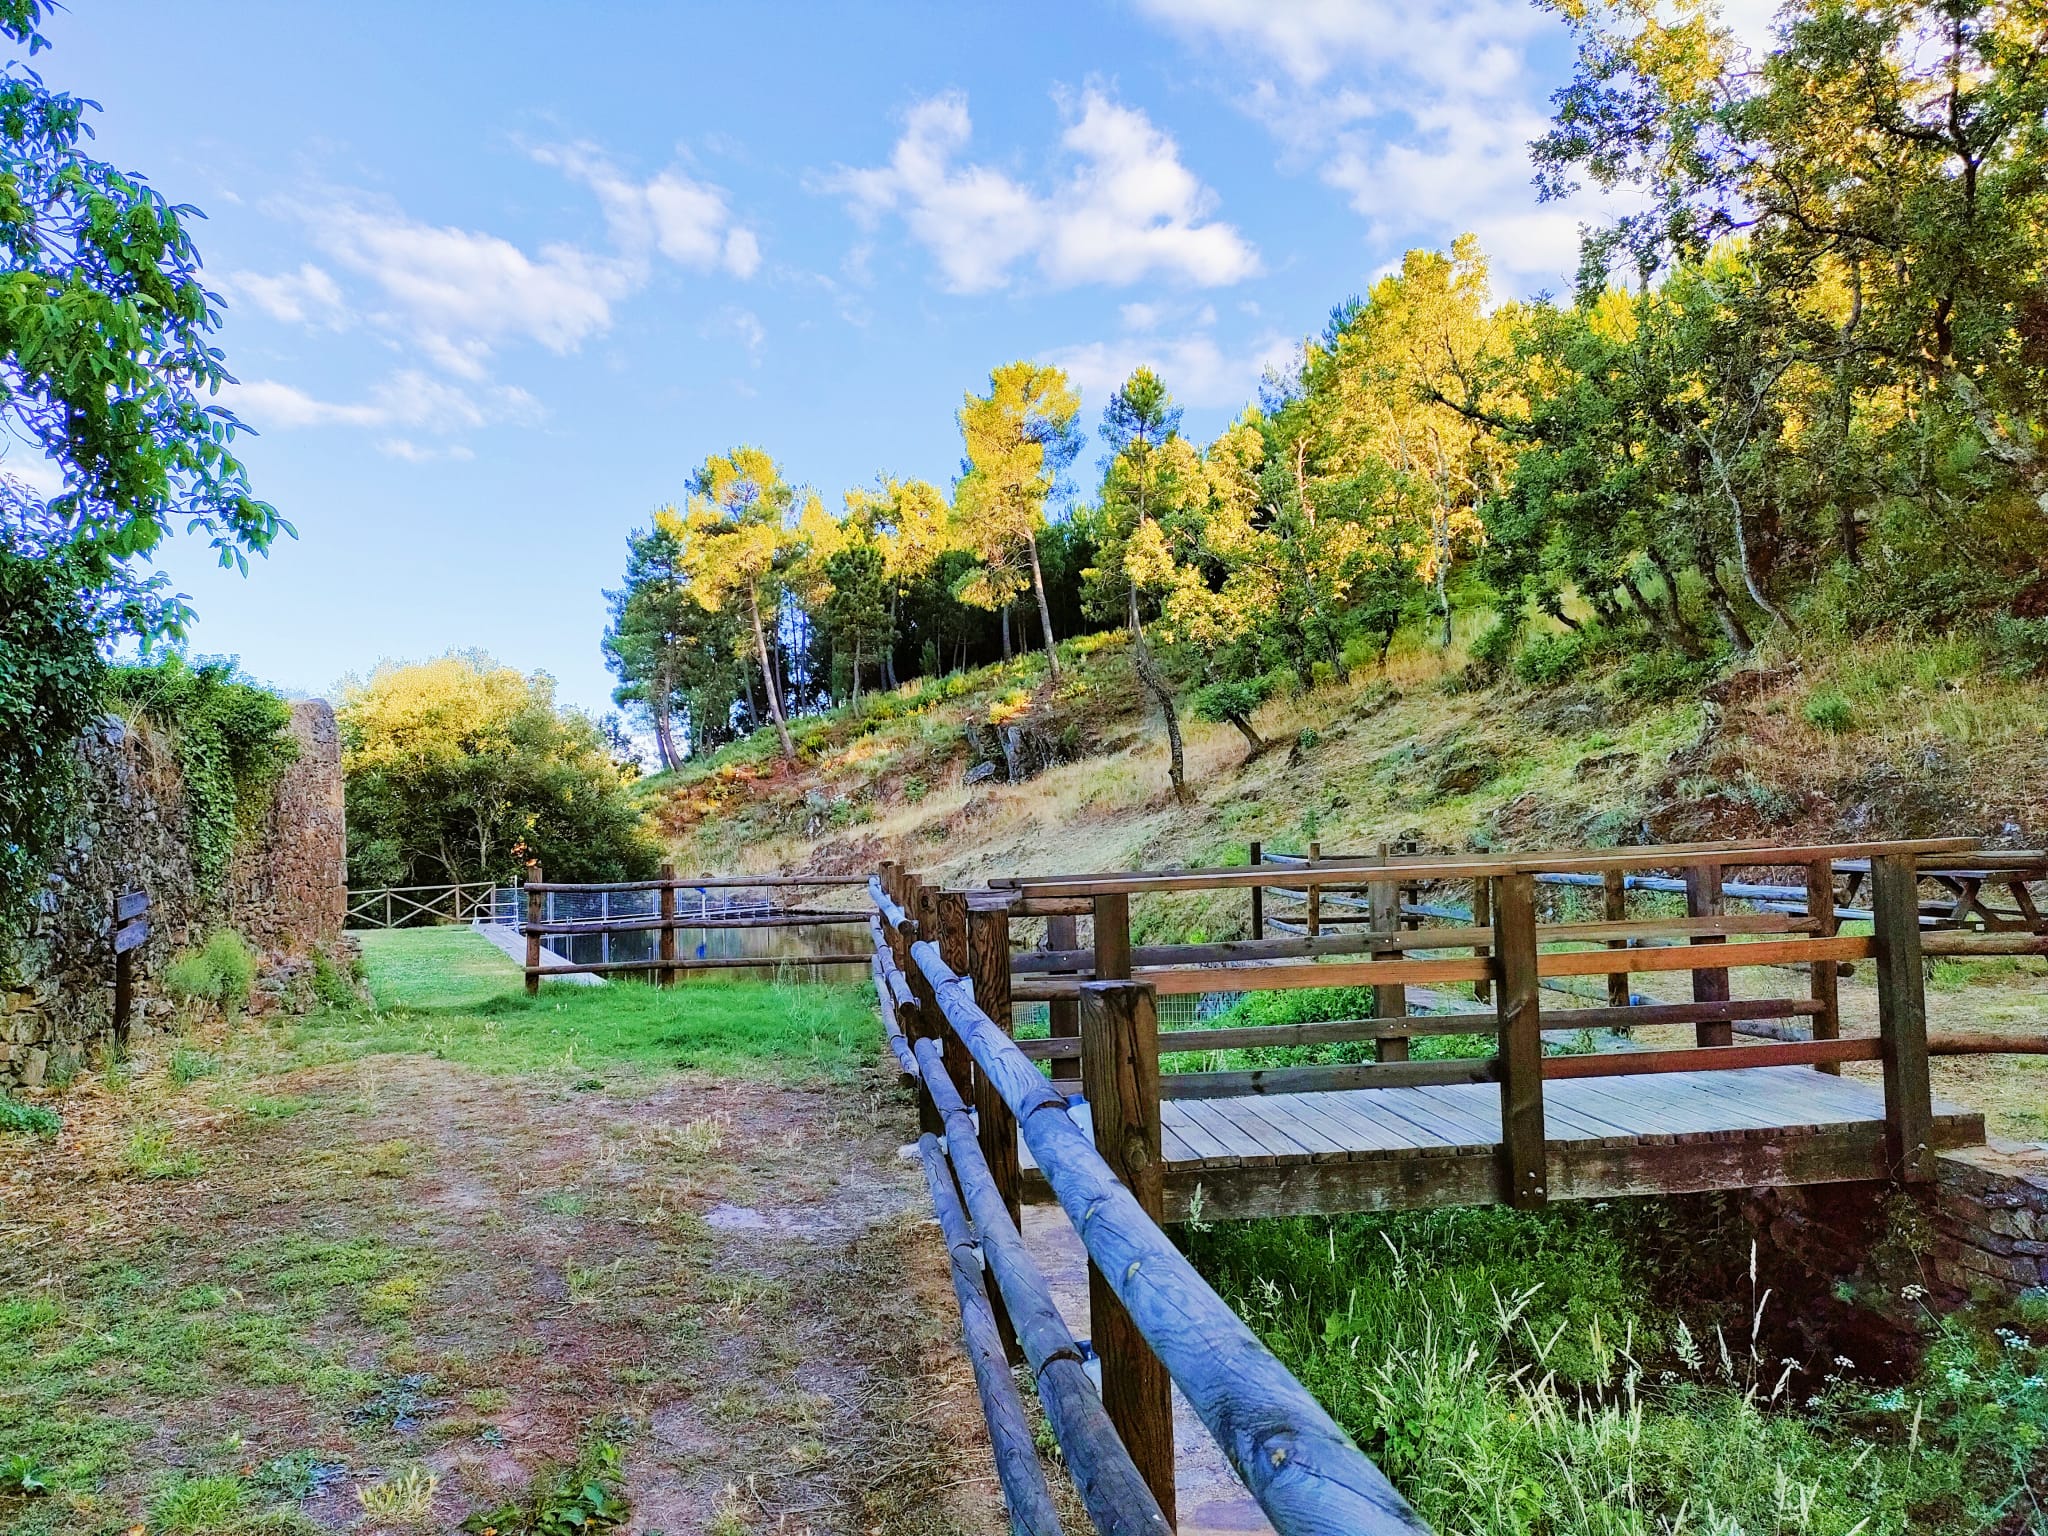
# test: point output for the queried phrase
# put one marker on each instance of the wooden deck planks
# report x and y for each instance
(1607, 1136)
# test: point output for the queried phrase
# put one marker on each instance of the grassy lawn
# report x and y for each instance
(459, 1260)
(453, 994)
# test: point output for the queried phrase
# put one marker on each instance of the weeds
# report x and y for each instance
(28, 1119)
(408, 1496)
(222, 973)
(151, 1154)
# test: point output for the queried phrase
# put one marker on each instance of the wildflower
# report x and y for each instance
(1845, 1362)
(1913, 1292)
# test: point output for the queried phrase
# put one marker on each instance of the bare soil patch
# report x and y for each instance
(423, 1289)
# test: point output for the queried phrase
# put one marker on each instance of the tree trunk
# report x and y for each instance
(1148, 674)
(856, 671)
(1724, 610)
(768, 676)
(1252, 739)
(1674, 616)
(889, 677)
(1052, 655)
(1006, 632)
(664, 729)
(1443, 598)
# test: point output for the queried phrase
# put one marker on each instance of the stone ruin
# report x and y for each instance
(285, 892)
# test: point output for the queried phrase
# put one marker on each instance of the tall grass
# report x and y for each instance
(1542, 1374)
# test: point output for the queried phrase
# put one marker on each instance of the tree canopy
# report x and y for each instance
(459, 769)
(1801, 386)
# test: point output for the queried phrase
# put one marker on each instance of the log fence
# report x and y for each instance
(673, 915)
(411, 906)
(1086, 1101)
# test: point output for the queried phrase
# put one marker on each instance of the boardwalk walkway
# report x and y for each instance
(1409, 1148)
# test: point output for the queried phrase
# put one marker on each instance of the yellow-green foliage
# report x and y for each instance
(222, 973)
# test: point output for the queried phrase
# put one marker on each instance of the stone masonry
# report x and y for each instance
(285, 890)
(1980, 1229)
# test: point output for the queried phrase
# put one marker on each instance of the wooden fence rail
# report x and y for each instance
(399, 906)
(1301, 1468)
(947, 975)
(670, 919)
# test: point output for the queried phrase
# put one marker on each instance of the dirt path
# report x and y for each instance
(396, 1293)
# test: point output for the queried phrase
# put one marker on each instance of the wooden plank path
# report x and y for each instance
(1381, 1149)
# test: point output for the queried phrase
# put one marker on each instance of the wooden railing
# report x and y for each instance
(948, 974)
(404, 906)
(675, 912)
(942, 970)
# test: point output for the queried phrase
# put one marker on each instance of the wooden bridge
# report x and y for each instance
(1124, 1147)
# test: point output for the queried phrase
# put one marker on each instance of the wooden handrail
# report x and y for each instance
(1468, 867)
(1017, 1467)
(1111, 1489)
(704, 883)
(1301, 1468)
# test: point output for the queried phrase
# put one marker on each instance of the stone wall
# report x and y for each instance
(285, 890)
(1981, 1228)
(288, 886)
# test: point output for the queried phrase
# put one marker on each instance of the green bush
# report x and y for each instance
(1496, 644)
(222, 973)
(27, 1119)
(1659, 677)
(1828, 710)
(2018, 647)
(1544, 661)
(51, 679)
(333, 984)
(232, 741)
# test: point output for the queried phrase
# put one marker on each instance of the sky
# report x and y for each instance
(497, 277)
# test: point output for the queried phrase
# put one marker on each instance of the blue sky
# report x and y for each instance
(499, 275)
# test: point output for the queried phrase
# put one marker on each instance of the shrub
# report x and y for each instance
(1544, 661)
(333, 985)
(50, 686)
(1828, 710)
(222, 973)
(28, 1119)
(232, 741)
(1490, 652)
(1658, 677)
(2018, 647)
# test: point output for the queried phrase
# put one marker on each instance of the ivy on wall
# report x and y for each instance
(232, 742)
(51, 678)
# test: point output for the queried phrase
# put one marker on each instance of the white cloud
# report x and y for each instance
(1126, 208)
(1194, 365)
(744, 325)
(416, 453)
(688, 221)
(1419, 111)
(450, 299)
(410, 400)
(462, 292)
(309, 296)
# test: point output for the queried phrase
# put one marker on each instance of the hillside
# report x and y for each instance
(1891, 737)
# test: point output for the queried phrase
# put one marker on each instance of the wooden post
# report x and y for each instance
(1113, 937)
(1902, 1016)
(1120, 1071)
(928, 1024)
(666, 976)
(988, 962)
(1064, 1016)
(1258, 857)
(985, 935)
(535, 906)
(1703, 899)
(1823, 976)
(1315, 894)
(1525, 1176)
(1482, 917)
(950, 908)
(1384, 906)
(1615, 886)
